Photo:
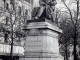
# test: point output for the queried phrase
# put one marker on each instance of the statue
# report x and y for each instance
(46, 10)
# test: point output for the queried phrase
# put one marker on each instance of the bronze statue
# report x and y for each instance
(46, 10)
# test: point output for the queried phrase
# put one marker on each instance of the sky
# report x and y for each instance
(69, 3)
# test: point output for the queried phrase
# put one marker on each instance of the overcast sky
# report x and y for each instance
(69, 3)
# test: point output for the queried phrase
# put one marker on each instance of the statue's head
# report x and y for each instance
(54, 2)
(42, 2)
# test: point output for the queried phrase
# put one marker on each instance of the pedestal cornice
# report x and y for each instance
(41, 24)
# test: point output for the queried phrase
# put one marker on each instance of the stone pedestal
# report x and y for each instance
(41, 40)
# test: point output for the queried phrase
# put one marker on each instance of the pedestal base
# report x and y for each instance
(41, 40)
(42, 59)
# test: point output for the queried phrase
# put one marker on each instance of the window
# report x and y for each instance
(26, 12)
(4, 1)
(6, 37)
(7, 6)
(12, 1)
(30, 1)
(19, 10)
(7, 19)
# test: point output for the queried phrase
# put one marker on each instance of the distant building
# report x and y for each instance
(23, 7)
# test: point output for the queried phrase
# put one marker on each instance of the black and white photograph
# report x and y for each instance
(39, 29)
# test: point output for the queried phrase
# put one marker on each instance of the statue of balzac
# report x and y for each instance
(46, 10)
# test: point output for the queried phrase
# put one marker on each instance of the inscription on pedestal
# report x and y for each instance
(33, 43)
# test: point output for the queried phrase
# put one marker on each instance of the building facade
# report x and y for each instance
(13, 12)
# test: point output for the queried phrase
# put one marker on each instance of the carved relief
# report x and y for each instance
(34, 32)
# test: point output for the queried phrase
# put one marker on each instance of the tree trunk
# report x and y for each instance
(75, 42)
(66, 55)
(11, 52)
(66, 50)
(75, 56)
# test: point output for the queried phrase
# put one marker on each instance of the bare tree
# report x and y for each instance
(12, 23)
(65, 40)
(74, 22)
